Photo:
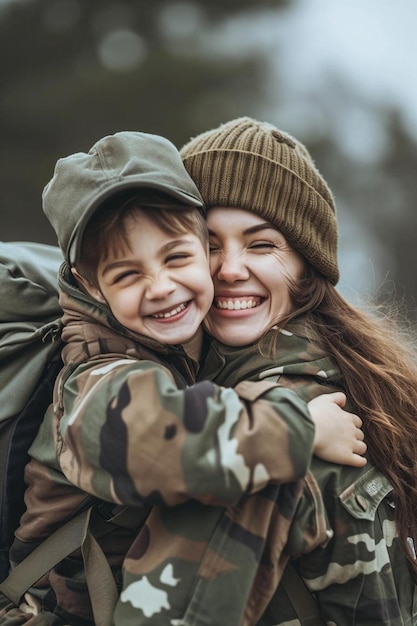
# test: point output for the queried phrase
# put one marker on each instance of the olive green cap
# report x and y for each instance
(127, 160)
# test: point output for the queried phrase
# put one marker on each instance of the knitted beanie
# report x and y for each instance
(252, 165)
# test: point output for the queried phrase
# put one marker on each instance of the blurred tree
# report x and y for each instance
(381, 196)
(368, 157)
(73, 71)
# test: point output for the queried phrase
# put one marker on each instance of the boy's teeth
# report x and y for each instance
(175, 311)
(237, 305)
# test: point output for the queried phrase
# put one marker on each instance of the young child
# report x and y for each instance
(129, 426)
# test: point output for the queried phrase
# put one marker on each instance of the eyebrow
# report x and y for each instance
(176, 242)
(252, 229)
(127, 262)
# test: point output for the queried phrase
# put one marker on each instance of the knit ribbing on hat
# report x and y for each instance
(254, 166)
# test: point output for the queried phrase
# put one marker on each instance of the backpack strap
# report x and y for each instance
(100, 582)
(301, 598)
(16, 436)
(68, 538)
(80, 531)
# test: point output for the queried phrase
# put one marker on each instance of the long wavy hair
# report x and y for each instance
(377, 359)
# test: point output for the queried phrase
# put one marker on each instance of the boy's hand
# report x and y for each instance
(338, 438)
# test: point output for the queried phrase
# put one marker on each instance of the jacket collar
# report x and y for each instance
(292, 351)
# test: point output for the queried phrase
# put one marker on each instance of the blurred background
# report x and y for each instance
(340, 76)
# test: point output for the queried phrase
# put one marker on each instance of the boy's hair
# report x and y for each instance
(106, 232)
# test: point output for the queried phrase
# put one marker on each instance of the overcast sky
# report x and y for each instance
(373, 44)
(372, 41)
(370, 44)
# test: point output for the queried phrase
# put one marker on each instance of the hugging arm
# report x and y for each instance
(129, 435)
(338, 436)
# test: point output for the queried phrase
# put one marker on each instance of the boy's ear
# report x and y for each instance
(94, 292)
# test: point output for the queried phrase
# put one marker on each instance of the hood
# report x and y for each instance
(90, 330)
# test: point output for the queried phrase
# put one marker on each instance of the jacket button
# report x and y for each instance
(362, 503)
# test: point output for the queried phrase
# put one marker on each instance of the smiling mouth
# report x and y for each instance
(167, 314)
(237, 304)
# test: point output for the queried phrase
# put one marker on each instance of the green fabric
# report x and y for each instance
(29, 319)
(129, 432)
(126, 161)
(343, 538)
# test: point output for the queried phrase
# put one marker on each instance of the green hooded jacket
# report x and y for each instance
(343, 538)
(129, 426)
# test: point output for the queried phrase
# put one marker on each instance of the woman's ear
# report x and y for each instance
(94, 292)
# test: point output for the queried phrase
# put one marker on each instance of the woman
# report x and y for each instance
(273, 229)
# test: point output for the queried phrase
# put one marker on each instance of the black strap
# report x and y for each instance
(301, 598)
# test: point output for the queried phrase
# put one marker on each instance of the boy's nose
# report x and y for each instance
(159, 286)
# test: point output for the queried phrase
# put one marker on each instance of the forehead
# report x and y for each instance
(228, 220)
(140, 224)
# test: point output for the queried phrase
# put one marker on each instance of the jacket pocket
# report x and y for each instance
(363, 497)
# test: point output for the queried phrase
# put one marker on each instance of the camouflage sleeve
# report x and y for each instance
(129, 435)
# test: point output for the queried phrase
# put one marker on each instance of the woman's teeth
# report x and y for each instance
(237, 305)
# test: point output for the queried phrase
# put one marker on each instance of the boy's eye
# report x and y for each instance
(178, 256)
(123, 275)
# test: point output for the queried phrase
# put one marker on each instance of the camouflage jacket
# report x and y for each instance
(343, 538)
(130, 427)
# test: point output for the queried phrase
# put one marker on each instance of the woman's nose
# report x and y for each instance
(231, 268)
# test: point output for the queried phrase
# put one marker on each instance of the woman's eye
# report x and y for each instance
(258, 245)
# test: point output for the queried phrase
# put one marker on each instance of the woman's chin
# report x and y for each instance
(234, 337)
(234, 330)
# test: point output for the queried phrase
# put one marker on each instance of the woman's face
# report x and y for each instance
(252, 266)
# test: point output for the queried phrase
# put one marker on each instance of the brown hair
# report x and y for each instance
(106, 232)
(375, 356)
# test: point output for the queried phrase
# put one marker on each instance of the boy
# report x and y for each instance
(128, 425)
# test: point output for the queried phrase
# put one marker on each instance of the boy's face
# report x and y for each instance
(161, 287)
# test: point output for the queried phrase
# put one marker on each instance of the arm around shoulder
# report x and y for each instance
(130, 436)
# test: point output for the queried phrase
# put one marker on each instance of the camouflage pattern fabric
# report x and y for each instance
(343, 538)
(129, 426)
(213, 554)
